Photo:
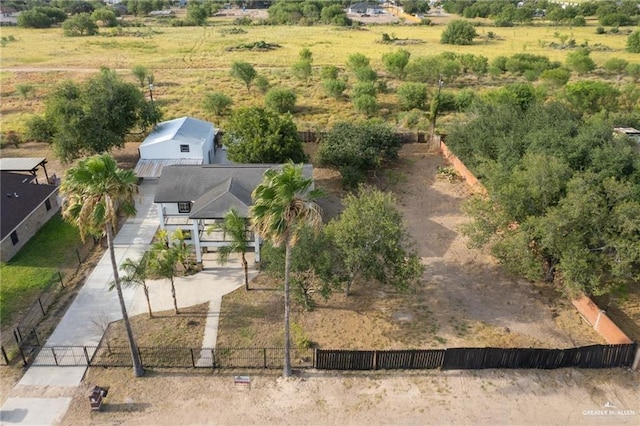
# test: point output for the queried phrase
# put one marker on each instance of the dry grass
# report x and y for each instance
(190, 62)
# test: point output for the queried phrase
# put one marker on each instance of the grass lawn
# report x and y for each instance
(51, 250)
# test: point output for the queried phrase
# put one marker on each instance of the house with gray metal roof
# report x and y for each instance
(194, 197)
(184, 140)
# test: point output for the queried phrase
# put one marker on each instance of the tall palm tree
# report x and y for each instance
(283, 204)
(95, 190)
(163, 261)
(136, 272)
(235, 226)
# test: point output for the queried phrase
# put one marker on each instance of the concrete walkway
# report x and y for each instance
(94, 302)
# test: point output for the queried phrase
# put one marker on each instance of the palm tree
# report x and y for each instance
(136, 276)
(164, 259)
(95, 190)
(283, 204)
(235, 226)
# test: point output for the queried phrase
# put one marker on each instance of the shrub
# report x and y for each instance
(365, 88)
(458, 32)
(464, 99)
(334, 87)
(302, 69)
(217, 103)
(80, 25)
(412, 96)
(10, 138)
(280, 100)
(329, 72)
(633, 42)
(600, 30)
(261, 83)
(366, 104)
(24, 90)
(366, 74)
(557, 77)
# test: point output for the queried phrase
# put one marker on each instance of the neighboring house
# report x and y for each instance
(193, 198)
(184, 140)
(24, 207)
(628, 131)
(365, 9)
(8, 15)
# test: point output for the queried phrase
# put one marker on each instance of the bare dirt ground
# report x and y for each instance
(463, 299)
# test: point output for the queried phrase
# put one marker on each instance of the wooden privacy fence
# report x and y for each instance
(596, 356)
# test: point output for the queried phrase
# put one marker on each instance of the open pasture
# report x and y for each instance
(190, 62)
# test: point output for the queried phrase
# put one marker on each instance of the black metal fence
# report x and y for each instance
(596, 356)
(27, 332)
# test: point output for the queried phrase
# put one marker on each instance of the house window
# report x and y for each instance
(184, 207)
(184, 148)
(14, 238)
(47, 204)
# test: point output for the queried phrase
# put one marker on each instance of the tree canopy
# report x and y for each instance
(564, 193)
(258, 135)
(356, 148)
(92, 117)
(459, 32)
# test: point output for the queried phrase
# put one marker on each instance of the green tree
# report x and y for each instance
(236, 227)
(94, 116)
(258, 135)
(95, 191)
(373, 241)
(396, 62)
(281, 100)
(262, 83)
(106, 16)
(556, 77)
(633, 42)
(580, 61)
(412, 95)
(458, 32)
(306, 55)
(197, 12)
(617, 67)
(356, 61)
(366, 105)
(334, 87)
(244, 72)
(302, 70)
(590, 97)
(141, 73)
(136, 273)
(164, 259)
(41, 17)
(217, 103)
(283, 205)
(357, 148)
(330, 72)
(80, 25)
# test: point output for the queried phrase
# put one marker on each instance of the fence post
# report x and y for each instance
(60, 277)
(315, 353)
(4, 355)
(213, 358)
(78, 254)
(193, 361)
(33, 330)
(24, 359)
(41, 307)
(636, 360)
(264, 357)
(17, 335)
(140, 356)
(375, 360)
(55, 358)
(86, 355)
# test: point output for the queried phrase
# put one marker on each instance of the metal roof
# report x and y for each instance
(26, 164)
(153, 168)
(185, 128)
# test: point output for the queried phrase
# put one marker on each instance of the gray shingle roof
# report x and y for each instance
(213, 189)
